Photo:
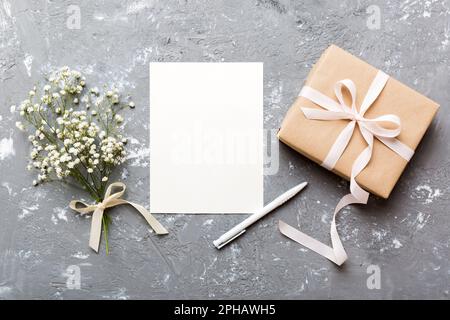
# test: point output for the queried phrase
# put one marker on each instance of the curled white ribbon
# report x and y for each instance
(111, 200)
(369, 129)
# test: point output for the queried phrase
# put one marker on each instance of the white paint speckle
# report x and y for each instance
(120, 294)
(28, 211)
(420, 221)
(291, 166)
(275, 95)
(379, 235)
(140, 157)
(124, 174)
(7, 7)
(426, 193)
(88, 69)
(6, 148)
(8, 188)
(397, 244)
(60, 213)
(133, 140)
(24, 254)
(137, 6)
(6, 17)
(116, 17)
(28, 61)
(80, 255)
(208, 222)
(404, 17)
(446, 41)
(99, 17)
(142, 56)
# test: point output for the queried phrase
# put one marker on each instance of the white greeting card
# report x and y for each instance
(206, 137)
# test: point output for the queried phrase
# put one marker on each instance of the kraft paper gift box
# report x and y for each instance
(314, 138)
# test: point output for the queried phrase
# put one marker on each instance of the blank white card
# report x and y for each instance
(206, 137)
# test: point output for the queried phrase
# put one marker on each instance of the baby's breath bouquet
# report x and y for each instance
(76, 133)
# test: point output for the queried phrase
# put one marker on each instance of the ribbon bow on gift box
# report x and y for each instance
(111, 200)
(369, 129)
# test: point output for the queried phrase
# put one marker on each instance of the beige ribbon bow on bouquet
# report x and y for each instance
(111, 200)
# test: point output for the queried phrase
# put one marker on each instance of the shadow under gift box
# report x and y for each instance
(314, 138)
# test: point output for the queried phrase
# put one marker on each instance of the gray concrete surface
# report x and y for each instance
(407, 236)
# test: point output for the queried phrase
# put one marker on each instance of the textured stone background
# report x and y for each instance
(406, 236)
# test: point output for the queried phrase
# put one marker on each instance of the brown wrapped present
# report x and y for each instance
(358, 122)
(314, 138)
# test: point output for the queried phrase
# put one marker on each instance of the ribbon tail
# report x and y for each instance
(156, 226)
(336, 253)
(307, 241)
(96, 229)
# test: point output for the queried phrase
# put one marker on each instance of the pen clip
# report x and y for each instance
(229, 240)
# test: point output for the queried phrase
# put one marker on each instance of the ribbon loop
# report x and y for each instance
(338, 91)
(111, 200)
(81, 207)
(369, 129)
(115, 185)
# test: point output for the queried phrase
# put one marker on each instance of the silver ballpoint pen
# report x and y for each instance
(240, 228)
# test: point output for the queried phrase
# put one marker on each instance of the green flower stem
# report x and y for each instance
(105, 222)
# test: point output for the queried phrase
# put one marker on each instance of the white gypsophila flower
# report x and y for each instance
(104, 179)
(20, 126)
(118, 118)
(90, 170)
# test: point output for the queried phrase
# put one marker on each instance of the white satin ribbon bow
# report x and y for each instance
(369, 129)
(110, 200)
